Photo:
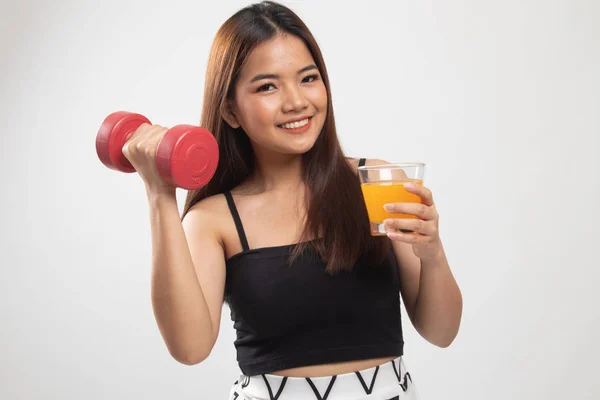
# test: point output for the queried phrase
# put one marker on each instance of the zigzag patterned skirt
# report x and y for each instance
(389, 381)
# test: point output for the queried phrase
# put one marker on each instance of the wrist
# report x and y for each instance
(435, 254)
(158, 195)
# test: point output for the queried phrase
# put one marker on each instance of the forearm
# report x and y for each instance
(179, 305)
(438, 307)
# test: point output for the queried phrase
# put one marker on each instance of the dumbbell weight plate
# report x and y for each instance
(114, 132)
(187, 157)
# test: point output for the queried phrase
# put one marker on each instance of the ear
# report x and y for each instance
(229, 116)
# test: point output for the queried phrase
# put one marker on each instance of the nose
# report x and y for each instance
(294, 100)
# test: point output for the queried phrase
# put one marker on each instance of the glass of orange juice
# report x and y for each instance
(384, 184)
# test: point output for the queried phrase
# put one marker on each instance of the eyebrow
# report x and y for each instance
(275, 76)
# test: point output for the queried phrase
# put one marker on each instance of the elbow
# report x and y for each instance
(190, 352)
(447, 337)
(189, 357)
(442, 339)
(444, 342)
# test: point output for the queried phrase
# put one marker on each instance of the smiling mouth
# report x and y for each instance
(296, 124)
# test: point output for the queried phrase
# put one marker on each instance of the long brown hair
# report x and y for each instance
(336, 213)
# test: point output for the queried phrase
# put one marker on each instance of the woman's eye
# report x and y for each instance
(310, 78)
(265, 88)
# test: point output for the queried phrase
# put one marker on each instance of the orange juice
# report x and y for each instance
(376, 194)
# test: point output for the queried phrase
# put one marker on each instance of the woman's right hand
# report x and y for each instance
(140, 150)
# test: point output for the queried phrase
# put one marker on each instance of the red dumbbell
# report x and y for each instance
(187, 156)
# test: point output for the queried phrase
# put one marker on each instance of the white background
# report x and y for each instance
(499, 98)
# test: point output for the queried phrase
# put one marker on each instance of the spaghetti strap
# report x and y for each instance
(237, 220)
(361, 162)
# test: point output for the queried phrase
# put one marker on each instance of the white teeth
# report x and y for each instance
(294, 125)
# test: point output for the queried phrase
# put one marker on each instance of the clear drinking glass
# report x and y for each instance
(384, 184)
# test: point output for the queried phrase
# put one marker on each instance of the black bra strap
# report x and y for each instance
(237, 220)
(362, 162)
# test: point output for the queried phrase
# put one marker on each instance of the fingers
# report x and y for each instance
(152, 139)
(427, 228)
(421, 211)
(421, 191)
(420, 230)
(411, 238)
(144, 141)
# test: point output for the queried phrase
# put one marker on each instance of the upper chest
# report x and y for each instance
(266, 220)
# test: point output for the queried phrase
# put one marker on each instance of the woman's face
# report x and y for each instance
(280, 99)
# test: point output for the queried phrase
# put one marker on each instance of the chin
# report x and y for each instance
(301, 148)
(295, 144)
(294, 151)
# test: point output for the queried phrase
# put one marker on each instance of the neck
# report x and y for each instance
(278, 173)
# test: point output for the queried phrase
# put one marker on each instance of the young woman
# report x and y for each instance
(281, 234)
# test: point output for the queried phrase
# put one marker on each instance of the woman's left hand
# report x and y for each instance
(425, 239)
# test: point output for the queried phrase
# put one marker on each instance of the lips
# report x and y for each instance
(297, 126)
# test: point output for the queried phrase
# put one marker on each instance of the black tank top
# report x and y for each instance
(293, 315)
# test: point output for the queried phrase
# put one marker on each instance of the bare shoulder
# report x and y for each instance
(208, 214)
(375, 161)
(209, 207)
(353, 162)
(214, 203)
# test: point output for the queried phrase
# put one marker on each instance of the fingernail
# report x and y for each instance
(388, 207)
(388, 222)
(409, 185)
